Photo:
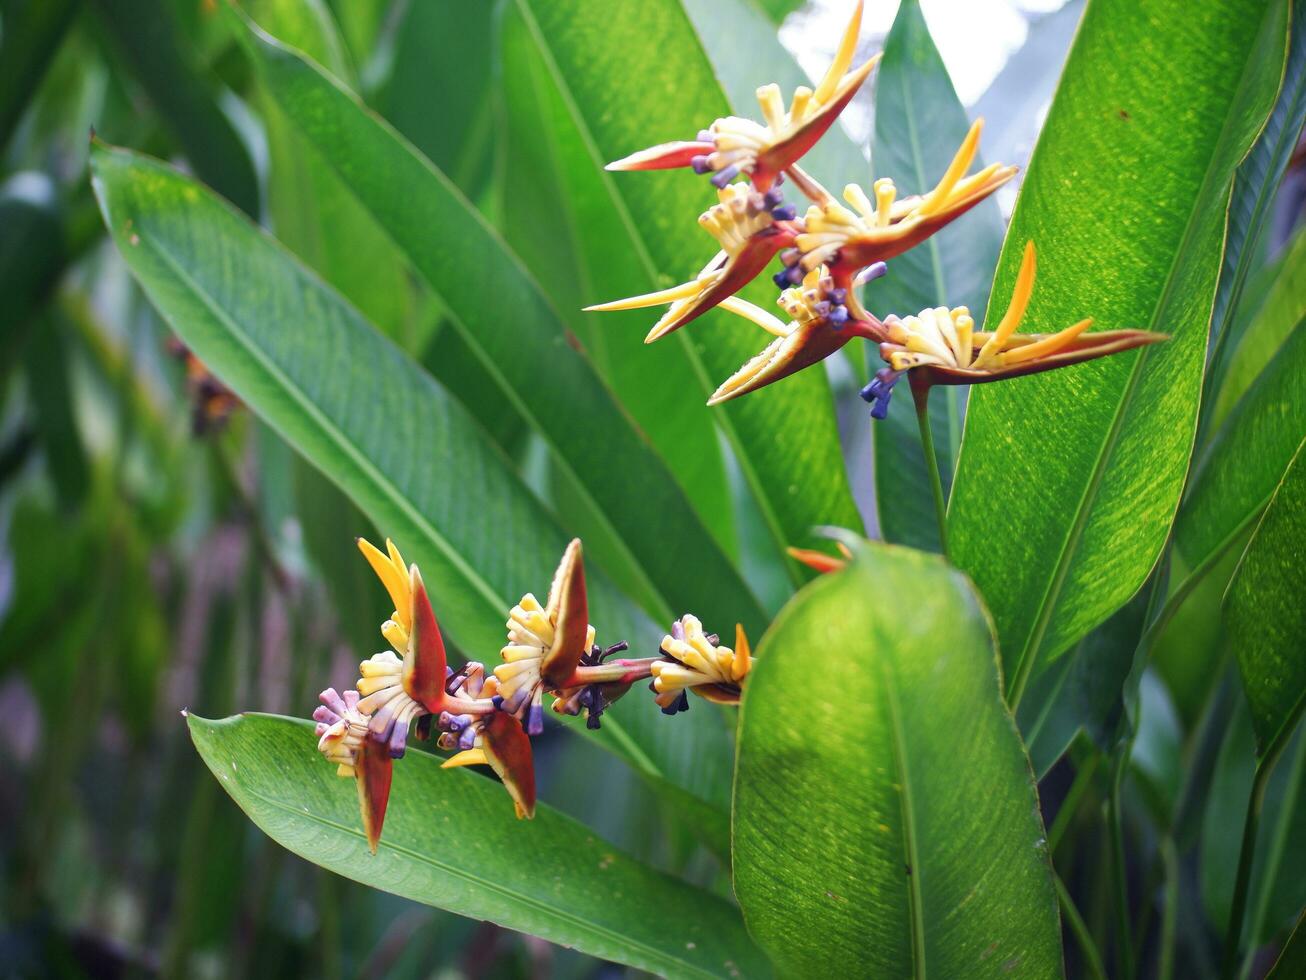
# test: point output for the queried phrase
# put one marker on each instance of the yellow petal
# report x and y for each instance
(395, 582)
(1047, 346)
(843, 57)
(767, 321)
(469, 757)
(956, 170)
(1016, 310)
(684, 291)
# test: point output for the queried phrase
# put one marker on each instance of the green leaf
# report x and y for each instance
(312, 212)
(151, 43)
(558, 213)
(1264, 612)
(1247, 457)
(373, 422)
(33, 30)
(1068, 481)
(634, 75)
(1292, 960)
(1255, 186)
(506, 320)
(886, 821)
(451, 840)
(1282, 308)
(32, 254)
(919, 124)
(1277, 892)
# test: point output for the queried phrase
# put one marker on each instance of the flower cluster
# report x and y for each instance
(489, 717)
(831, 250)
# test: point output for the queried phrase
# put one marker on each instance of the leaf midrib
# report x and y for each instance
(1070, 544)
(646, 260)
(488, 884)
(917, 906)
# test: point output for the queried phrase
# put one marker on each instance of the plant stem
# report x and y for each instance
(1092, 958)
(1083, 779)
(921, 395)
(1124, 944)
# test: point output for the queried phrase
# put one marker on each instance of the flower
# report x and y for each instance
(847, 240)
(744, 222)
(941, 346)
(500, 743)
(545, 643)
(697, 662)
(343, 738)
(822, 324)
(763, 151)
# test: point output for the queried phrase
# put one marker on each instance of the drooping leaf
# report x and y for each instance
(1265, 612)
(506, 320)
(1245, 460)
(452, 840)
(378, 426)
(1279, 312)
(886, 821)
(558, 213)
(152, 45)
(1255, 185)
(919, 123)
(1068, 481)
(635, 75)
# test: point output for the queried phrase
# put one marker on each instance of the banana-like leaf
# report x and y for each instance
(1067, 482)
(1246, 459)
(506, 320)
(452, 840)
(634, 75)
(378, 426)
(919, 123)
(886, 821)
(1265, 612)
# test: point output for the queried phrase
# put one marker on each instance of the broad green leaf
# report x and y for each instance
(1277, 892)
(152, 45)
(885, 820)
(452, 840)
(506, 320)
(373, 422)
(312, 212)
(1265, 612)
(558, 213)
(32, 32)
(1283, 307)
(1246, 458)
(634, 75)
(1255, 186)
(919, 124)
(1068, 481)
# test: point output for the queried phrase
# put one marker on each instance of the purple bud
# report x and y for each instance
(880, 410)
(795, 275)
(700, 164)
(838, 296)
(497, 701)
(332, 701)
(791, 256)
(467, 739)
(398, 741)
(838, 316)
(822, 307)
(678, 630)
(325, 715)
(786, 213)
(723, 177)
(781, 278)
(706, 136)
(773, 198)
(873, 271)
(535, 720)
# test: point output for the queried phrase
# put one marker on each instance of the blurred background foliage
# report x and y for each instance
(160, 549)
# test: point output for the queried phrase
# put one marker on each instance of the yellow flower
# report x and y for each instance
(697, 662)
(763, 151)
(847, 239)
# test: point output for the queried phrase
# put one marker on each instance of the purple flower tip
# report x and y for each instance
(838, 296)
(398, 741)
(706, 136)
(535, 720)
(791, 256)
(497, 701)
(786, 213)
(781, 278)
(700, 164)
(773, 198)
(838, 316)
(795, 275)
(874, 271)
(467, 739)
(723, 177)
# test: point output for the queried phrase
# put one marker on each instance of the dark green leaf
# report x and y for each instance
(452, 840)
(32, 32)
(635, 75)
(526, 348)
(152, 45)
(378, 426)
(50, 389)
(1292, 960)
(919, 124)
(1265, 612)
(887, 824)
(1068, 481)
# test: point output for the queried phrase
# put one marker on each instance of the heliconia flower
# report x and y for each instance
(343, 738)
(501, 744)
(822, 324)
(820, 561)
(763, 151)
(545, 643)
(697, 662)
(941, 346)
(876, 231)
(744, 222)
